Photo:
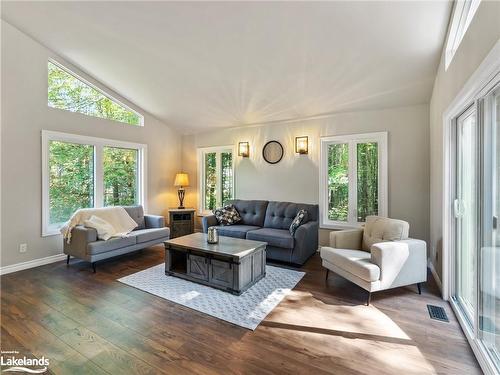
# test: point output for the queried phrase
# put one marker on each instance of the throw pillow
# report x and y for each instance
(300, 219)
(227, 215)
(104, 229)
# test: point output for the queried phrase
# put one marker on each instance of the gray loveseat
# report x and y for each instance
(270, 222)
(84, 244)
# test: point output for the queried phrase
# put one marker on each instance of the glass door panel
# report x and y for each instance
(489, 286)
(466, 211)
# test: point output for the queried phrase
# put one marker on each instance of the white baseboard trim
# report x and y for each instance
(31, 264)
(436, 276)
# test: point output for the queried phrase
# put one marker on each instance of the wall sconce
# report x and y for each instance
(244, 149)
(302, 145)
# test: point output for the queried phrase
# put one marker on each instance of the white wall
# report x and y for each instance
(296, 178)
(25, 113)
(483, 33)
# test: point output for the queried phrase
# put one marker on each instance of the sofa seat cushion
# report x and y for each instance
(273, 237)
(356, 262)
(238, 231)
(146, 235)
(99, 247)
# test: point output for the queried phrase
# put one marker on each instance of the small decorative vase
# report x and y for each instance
(213, 235)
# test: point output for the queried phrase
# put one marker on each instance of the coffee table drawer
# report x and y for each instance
(221, 273)
(197, 267)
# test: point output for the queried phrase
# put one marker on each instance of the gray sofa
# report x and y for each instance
(270, 222)
(84, 244)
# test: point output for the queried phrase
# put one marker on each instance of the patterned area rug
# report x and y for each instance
(246, 310)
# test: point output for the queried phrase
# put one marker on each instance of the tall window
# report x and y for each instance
(353, 178)
(84, 172)
(216, 168)
(67, 91)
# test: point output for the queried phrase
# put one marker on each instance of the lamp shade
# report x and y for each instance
(181, 179)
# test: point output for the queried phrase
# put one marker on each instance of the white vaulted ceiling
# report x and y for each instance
(207, 65)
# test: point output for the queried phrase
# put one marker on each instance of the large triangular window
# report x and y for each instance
(69, 92)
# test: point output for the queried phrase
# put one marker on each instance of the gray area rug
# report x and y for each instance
(246, 310)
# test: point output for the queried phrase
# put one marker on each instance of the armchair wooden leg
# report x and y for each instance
(67, 260)
(326, 277)
(419, 288)
(369, 299)
(93, 266)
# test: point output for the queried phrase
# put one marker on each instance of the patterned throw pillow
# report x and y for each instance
(227, 215)
(300, 219)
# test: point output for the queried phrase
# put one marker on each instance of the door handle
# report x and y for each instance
(459, 207)
(456, 208)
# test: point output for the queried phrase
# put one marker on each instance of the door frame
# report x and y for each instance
(482, 81)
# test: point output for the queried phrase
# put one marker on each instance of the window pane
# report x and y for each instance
(210, 181)
(466, 220)
(120, 176)
(69, 93)
(489, 285)
(71, 179)
(227, 176)
(367, 155)
(338, 181)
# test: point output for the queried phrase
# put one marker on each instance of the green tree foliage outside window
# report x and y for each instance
(367, 161)
(210, 180)
(71, 179)
(65, 91)
(227, 176)
(120, 176)
(338, 181)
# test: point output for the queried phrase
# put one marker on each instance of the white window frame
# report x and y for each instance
(201, 170)
(104, 93)
(99, 144)
(463, 13)
(352, 140)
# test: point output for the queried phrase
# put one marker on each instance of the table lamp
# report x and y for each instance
(181, 180)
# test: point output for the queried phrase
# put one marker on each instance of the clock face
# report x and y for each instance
(272, 152)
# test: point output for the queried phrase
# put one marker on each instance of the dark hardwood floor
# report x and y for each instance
(87, 323)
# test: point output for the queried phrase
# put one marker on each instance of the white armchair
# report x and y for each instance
(377, 257)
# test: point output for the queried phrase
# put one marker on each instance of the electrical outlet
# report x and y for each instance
(23, 247)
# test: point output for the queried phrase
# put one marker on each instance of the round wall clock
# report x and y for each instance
(272, 152)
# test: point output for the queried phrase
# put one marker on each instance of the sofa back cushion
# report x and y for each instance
(252, 212)
(382, 229)
(279, 215)
(136, 213)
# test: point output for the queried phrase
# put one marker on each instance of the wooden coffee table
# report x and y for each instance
(232, 265)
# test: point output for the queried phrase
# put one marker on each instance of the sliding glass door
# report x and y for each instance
(466, 209)
(489, 257)
(475, 289)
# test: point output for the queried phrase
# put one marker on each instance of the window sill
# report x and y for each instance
(340, 226)
(51, 233)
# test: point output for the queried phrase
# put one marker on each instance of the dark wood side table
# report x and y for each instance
(181, 221)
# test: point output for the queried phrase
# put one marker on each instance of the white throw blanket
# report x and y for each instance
(116, 216)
